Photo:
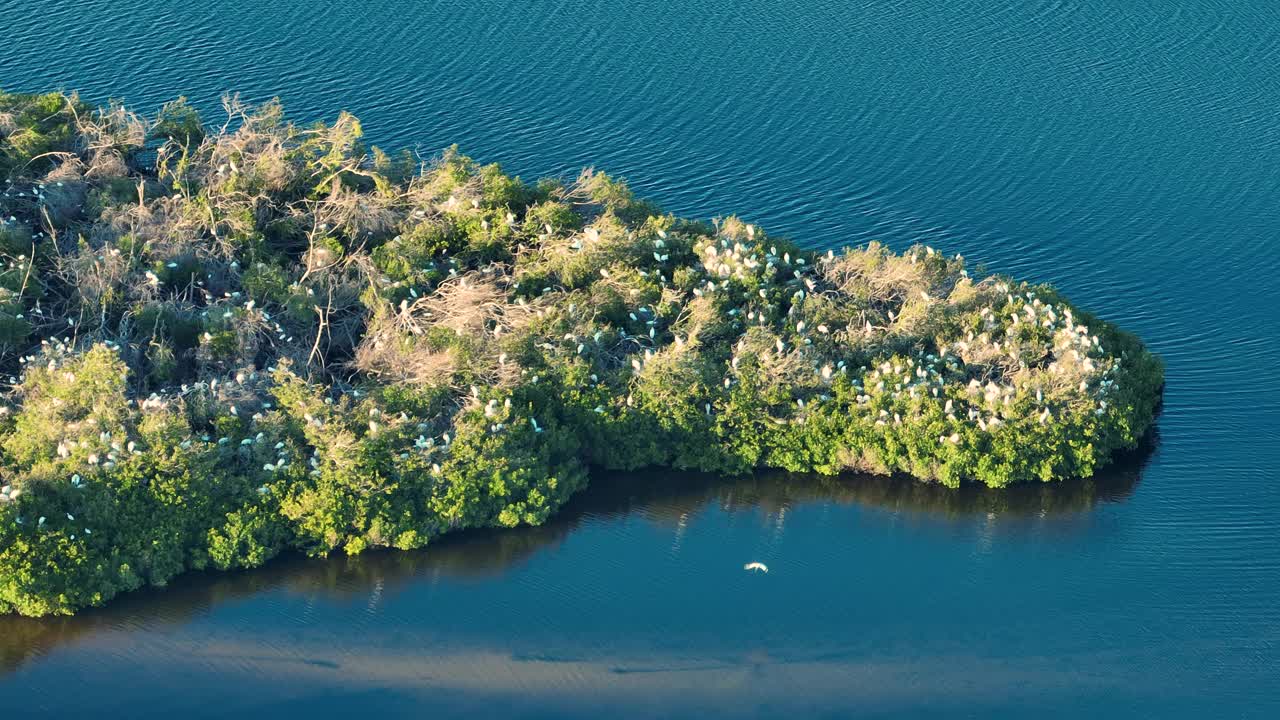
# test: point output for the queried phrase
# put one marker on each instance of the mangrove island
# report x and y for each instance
(222, 341)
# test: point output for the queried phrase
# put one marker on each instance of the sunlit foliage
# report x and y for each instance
(224, 341)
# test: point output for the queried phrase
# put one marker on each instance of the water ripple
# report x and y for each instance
(1127, 151)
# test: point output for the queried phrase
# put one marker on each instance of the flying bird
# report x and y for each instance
(753, 566)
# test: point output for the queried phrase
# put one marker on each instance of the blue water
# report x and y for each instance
(1126, 150)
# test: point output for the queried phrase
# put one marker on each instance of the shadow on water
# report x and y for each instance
(660, 496)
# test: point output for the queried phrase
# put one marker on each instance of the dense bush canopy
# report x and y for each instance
(221, 342)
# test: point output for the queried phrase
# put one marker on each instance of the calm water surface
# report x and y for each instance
(1126, 150)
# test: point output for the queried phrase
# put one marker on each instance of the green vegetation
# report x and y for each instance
(222, 342)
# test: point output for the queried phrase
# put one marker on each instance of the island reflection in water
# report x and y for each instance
(665, 499)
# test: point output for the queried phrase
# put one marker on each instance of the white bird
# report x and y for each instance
(753, 566)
